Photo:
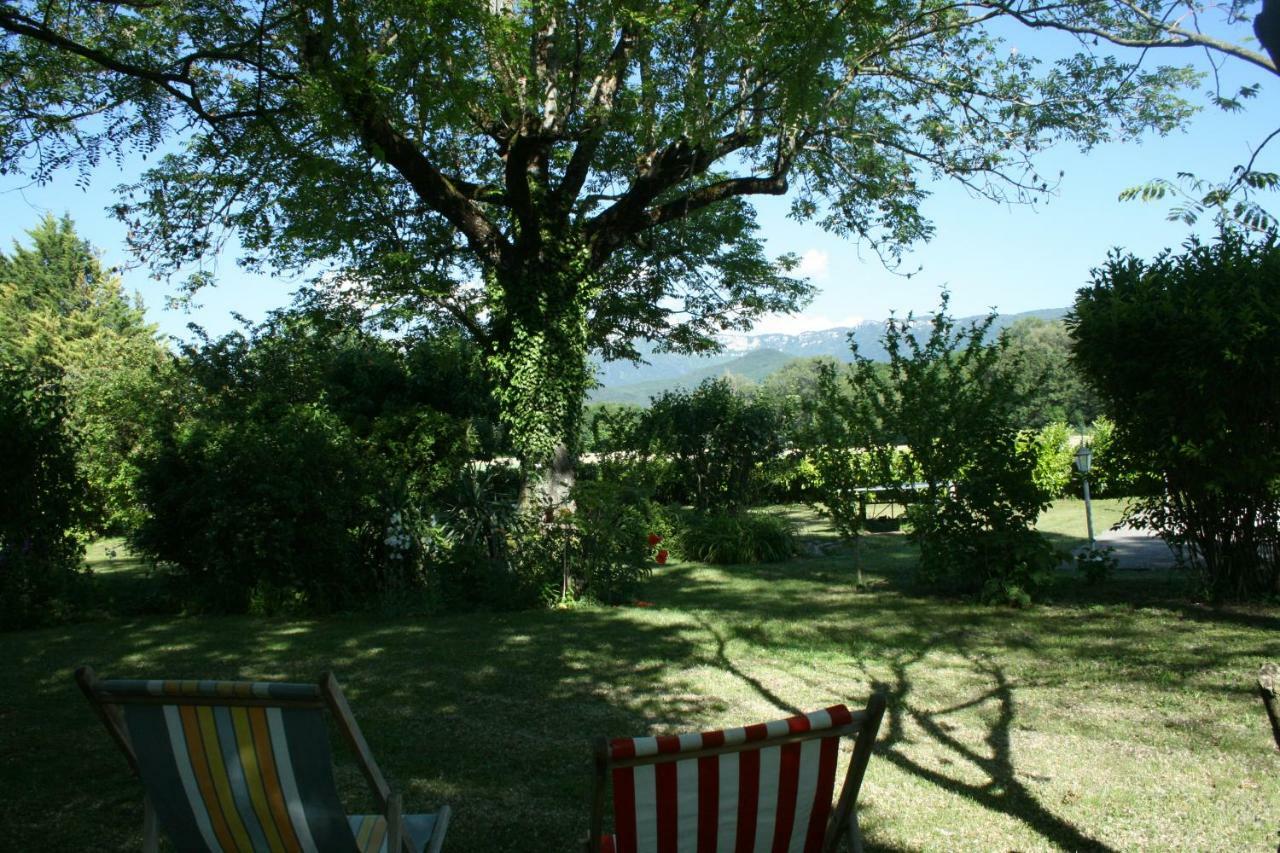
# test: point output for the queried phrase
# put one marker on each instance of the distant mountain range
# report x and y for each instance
(754, 357)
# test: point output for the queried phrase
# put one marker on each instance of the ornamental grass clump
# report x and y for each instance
(730, 538)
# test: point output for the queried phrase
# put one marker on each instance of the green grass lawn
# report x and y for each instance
(1120, 718)
(1065, 524)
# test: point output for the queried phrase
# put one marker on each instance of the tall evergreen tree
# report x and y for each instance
(63, 314)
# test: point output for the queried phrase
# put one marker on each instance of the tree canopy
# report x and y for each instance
(553, 177)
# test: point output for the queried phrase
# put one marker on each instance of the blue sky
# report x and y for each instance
(1011, 258)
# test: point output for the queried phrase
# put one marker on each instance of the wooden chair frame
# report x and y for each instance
(1268, 683)
(843, 824)
(330, 696)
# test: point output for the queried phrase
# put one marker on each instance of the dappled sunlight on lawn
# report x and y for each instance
(1094, 723)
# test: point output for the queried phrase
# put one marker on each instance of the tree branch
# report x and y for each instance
(1178, 36)
(710, 194)
(601, 98)
(386, 143)
(661, 171)
(21, 25)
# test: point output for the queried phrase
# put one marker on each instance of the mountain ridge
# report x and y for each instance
(624, 382)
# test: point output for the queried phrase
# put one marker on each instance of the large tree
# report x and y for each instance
(1050, 388)
(552, 176)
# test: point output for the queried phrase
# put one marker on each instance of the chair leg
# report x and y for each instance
(855, 833)
(441, 827)
(395, 826)
(150, 830)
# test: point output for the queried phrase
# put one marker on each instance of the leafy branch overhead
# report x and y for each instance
(553, 177)
(1148, 25)
(326, 130)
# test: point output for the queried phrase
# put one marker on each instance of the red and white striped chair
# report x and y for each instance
(766, 787)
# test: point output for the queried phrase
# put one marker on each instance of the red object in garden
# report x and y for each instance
(654, 539)
(662, 557)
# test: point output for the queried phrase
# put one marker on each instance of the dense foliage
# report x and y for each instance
(1055, 458)
(287, 465)
(716, 440)
(724, 538)
(1185, 352)
(1112, 475)
(62, 313)
(976, 498)
(551, 176)
(1038, 358)
(41, 497)
(607, 544)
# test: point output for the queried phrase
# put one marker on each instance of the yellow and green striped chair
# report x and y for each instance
(246, 766)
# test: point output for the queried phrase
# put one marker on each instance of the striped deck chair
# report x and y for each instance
(246, 766)
(764, 788)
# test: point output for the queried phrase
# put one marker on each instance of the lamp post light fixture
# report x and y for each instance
(1084, 460)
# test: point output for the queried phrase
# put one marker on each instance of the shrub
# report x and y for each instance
(40, 499)
(948, 396)
(284, 465)
(1184, 351)
(1054, 458)
(1096, 564)
(788, 479)
(718, 443)
(1110, 474)
(733, 538)
(612, 553)
(487, 550)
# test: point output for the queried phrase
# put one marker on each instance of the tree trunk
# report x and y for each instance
(540, 369)
(551, 486)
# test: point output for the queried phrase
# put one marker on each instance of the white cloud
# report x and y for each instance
(794, 324)
(814, 264)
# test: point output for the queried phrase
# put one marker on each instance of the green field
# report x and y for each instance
(1120, 717)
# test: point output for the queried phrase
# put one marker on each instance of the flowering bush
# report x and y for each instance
(659, 554)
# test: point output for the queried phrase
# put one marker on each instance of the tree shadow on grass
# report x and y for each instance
(1001, 791)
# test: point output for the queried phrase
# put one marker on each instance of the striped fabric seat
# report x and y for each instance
(764, 788)
(244, 766)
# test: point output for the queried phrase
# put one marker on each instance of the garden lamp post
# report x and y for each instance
(1084, 459)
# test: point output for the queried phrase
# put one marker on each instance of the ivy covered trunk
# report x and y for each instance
(539, 364)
